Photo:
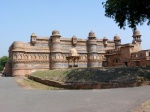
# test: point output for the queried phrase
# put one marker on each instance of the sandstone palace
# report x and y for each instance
(56, 52)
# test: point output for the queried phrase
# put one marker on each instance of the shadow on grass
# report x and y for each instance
(114, 75)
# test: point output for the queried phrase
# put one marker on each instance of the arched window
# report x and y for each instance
(15, 56)
(19, 56)
(29, 57)
(57, 57)
(26, 57)
(34, 57)
(94, 57)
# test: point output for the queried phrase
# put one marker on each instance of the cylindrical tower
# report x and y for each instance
(136, 37)
(92, 52)
(55, 50)
(117, 41)
(17, 59)
(105, 41)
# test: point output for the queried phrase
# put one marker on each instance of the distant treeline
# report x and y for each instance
(3, 61)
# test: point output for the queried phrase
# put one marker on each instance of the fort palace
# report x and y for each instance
(56, 52)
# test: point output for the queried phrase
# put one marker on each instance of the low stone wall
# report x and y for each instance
(87, 85)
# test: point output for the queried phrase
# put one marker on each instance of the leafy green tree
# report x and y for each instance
(1, 68)
(128, 12)
(3, 61)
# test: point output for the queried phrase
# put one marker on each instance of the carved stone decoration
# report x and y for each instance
(74, 40)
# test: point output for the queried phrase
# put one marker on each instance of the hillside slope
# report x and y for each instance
(96, 75)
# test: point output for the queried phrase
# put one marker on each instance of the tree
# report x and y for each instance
(130, 12)
(3, 61)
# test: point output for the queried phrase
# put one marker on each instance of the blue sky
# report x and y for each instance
(20, 18)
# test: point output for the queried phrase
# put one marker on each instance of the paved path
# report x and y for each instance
(15, 99)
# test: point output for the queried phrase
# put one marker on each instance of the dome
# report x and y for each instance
(55, 33)
(136, 33)
(105, 38)
(116, 37)
(33, 35)
(92, 34)
(73, 52)
(74, 37)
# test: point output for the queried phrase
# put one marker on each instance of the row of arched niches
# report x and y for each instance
(54, 57)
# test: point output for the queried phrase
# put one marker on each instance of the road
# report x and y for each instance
(15, 99)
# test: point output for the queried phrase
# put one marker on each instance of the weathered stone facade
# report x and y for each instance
(128, 54)
(55, 52)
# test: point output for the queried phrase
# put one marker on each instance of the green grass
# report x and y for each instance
(94, 75)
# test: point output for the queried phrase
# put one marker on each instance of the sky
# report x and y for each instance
(20, 18)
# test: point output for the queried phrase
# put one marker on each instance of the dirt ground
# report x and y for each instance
(145, 107)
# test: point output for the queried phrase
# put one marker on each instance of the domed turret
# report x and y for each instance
(92, 50)
(116, 37)
(117, 41)
(92, 42)
(136, 36)
(136, 33)
(55, 41)
(105, 41)
(92, 35)
(33, 35)
(74, 37)
(105, 38)
(55, 33)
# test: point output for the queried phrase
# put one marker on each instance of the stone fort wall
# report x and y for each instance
(45, 53)
(56, 52)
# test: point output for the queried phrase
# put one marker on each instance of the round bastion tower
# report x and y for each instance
(117, 41)
(137, 40)
(136, 37)
(17, 59)
(92, 52)
(55, 50)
